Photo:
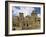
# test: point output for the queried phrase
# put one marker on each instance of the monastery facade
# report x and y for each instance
(25, 23)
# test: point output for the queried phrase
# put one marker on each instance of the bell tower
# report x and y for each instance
(21, 14)
(33, 13)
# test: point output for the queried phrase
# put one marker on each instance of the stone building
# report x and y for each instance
(28, 22)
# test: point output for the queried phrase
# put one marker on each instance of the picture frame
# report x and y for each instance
(30, 28)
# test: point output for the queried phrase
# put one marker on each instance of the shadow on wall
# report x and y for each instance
(8, 36)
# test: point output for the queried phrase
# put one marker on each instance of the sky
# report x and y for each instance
(26, 10)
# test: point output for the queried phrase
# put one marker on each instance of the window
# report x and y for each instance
(27, 24)
(39, 21)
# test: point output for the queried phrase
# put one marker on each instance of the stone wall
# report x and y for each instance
(28, 22)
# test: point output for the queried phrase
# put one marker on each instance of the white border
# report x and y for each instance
(23, 31)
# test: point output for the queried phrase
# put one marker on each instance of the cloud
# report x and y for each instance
(38, 15)
(25, 10)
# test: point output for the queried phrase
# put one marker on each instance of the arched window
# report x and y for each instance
(39, 21)
(27, 24)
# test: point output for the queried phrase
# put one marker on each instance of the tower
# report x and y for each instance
(33, 13)
(21, 14)
(21, 19)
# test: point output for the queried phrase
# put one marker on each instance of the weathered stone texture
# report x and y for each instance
(28, 22)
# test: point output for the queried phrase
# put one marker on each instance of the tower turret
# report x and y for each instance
(33, 13)
(21, 14)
